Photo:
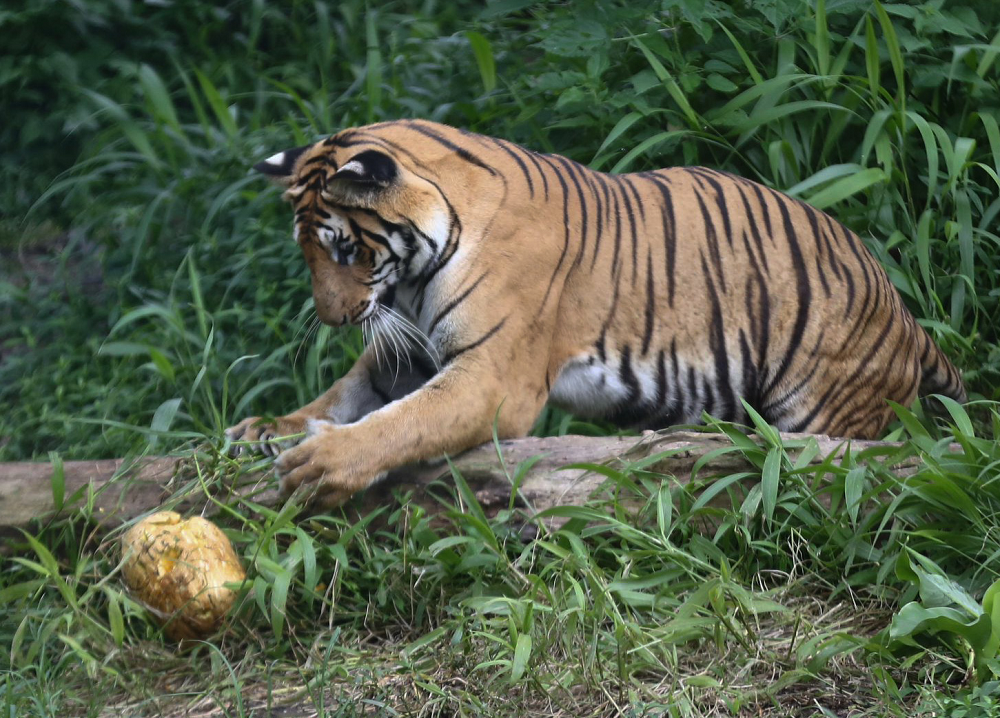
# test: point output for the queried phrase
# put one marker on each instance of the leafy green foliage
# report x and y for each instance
(149, 296)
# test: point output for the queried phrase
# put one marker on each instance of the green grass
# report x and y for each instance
(697, 600)
(149, 297)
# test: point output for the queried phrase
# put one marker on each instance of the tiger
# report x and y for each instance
(490, 279)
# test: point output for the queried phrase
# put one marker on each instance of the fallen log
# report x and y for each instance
(551, 475)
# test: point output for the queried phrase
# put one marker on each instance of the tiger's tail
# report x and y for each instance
(937, 374)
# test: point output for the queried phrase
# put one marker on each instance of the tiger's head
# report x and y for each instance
(371, 213)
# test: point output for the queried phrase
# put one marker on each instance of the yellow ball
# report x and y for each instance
(179, 570)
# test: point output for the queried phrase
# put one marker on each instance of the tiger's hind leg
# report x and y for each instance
(845, 398)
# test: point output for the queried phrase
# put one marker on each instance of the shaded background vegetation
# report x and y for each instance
(148, 281)
(150, 294)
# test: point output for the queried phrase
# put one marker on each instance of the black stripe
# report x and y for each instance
(821, 267)
(502, 144)
(444, 141)
(758, 190)
(599, 346)
(650, 303)
(565, 247)
(632, 226)
(454, 303)
(321, 159)
(661, 379)
(838, 387)
(827, 246)
(815, 360)
(361, 232)
(759, 312)
(720, 200)
(717, 345)
(750, 389)
(675, 373)
(804, 294)
(754, 229)
(572, 172)
(611, 315)
(595, 181)
(312, 179)
(708, 401)
(630, 184)
(341, 139)
(669, 233)
(533, 158)
(618, 230)
(627, 377)
(712, 241)
(455, 353)
(441, 255)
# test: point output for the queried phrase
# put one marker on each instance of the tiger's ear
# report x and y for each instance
(279, 167)
(370, 167)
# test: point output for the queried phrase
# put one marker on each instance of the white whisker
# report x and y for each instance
(313, 326)
(414, 333)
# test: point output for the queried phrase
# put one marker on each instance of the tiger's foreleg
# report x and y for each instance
(453, 411)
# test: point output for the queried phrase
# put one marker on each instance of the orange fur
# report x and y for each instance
(645, 298)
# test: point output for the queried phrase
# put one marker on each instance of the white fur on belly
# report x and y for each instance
(588, 387)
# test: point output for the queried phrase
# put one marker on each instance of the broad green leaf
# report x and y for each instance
(115, 620)
(499, 8)
(765, 117)
(58, 481)
(930, 151)
(217, 104)
(641, 149)
(373, 66)
(483, 52)
(847, 187)
(825, 175)
(958, 414)
(747, 62)
(279, 600)
(872, 63)
(986, 61)
(156, 92)
(854, 485)
(914, 619)
(310, 570)
(769, 481)
(673, 89)
(895, 53)
(664, 510)
(522, 654)
(822, 43)
(991, 607)
(164, 415)
(618, 130)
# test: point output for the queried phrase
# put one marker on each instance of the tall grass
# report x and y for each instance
(701, 593)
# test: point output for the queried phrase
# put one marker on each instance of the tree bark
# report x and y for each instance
(119, 490)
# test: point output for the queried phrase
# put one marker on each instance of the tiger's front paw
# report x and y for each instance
(324, 467)
(268, 437)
